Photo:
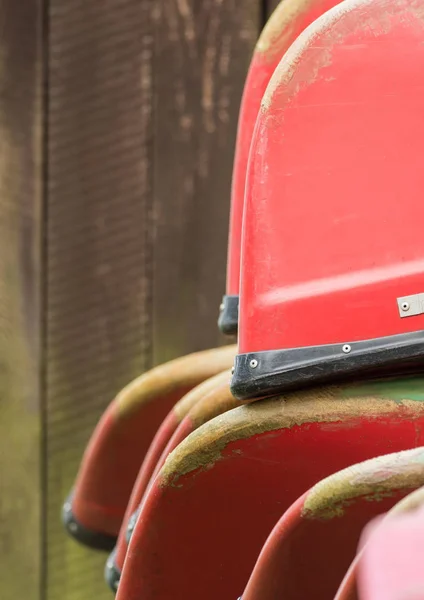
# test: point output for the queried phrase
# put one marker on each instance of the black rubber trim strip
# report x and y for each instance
(228, 316)
(112, 574)
(261, 374)
(91, 539)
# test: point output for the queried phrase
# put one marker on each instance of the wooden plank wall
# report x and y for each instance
(98, 231)
(200, 61)
(21, 125)
(117, 129)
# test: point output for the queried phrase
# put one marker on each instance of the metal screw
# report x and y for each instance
(346, 348)
(253, 363)
(405, 306)
(232, 370)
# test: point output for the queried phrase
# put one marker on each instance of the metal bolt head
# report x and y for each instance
(405, 306)
(347, 348)
(253, 363)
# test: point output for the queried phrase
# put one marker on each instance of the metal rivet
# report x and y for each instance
(221, 307)
(405, 306)
(232, 370)
(346, 348)
(253, 363)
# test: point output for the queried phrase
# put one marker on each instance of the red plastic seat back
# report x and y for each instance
(348, 586)
(332, 243)
(288, 20)
(314, 541)
(391, 567)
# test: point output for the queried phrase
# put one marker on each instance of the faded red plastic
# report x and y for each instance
(391, 566)
(111, 463)
(332, 234)
(213, 403)
(123, 436)
(221, 513)
(141, 488)
(348, 587)
(309, 550)
(283, 27)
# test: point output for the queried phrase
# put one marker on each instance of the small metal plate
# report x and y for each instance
(410, 306)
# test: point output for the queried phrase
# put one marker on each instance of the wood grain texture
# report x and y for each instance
(98, 245)
(202, 52)
(21, 80)
(117, 130)
(143, 103)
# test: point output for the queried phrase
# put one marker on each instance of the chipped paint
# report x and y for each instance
(177, 374)
(196, 395)
(204, 447)
(370, 480)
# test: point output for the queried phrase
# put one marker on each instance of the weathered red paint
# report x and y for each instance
(391, 566)
(111, 462)
(348, 588)
(122, 438)
(215, 402)
(212, 505)
(287, 21)
(332, 231)
(313, 543)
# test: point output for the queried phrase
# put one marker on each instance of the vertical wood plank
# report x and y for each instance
(21, 79)
(98, 293)
(202, 53)
(143, 98)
